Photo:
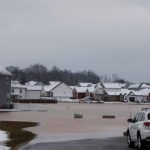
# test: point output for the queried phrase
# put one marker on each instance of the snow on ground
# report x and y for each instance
(3, 139)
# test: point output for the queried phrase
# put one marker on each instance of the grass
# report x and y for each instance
(16, 133)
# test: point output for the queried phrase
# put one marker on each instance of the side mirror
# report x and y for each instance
(130, 120)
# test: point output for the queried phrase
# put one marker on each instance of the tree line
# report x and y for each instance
(38, 72)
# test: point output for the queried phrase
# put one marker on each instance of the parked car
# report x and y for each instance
(138, 132)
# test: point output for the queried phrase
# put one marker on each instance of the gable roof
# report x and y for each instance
(145, 86)
(31, 83)
(125, 91)
(111, 85)
(80, 89)
(27, 87)
(34, 88)
(4, 72)
(83, 84)
(72, 87)
(144, 92)
(113, 93)
(134, 86)
(53, 84)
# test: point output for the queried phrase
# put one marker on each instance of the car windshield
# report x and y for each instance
(149, 116)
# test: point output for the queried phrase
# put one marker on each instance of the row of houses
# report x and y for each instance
(114, 92)
(37, 90)
(55, 89)
(101, 91)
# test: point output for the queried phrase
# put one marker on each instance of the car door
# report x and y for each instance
(134, 126)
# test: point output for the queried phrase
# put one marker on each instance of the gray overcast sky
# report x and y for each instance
(106, 36)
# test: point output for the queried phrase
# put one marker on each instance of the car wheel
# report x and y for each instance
(129, 141)
(139, 143)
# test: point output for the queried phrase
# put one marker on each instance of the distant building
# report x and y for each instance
(139, 96)
(107, 91)
(82, 92)
(19, 91)
(57, 89)
(5, 87)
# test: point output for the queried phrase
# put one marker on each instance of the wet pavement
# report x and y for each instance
(118, 143)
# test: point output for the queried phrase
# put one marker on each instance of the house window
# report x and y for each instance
(20, 90)
(12, 90)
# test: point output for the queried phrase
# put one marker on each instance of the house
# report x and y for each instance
(139, 96)
(24, 92)
(107, 91)
(80, 92)
(5, 87)
(57, 89)
(18, 91)
(124, 95)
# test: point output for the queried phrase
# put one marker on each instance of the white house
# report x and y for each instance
(58, 90)
(19, 91)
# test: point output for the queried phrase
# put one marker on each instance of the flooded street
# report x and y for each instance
(57, 122)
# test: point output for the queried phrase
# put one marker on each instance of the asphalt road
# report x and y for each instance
(91, 144)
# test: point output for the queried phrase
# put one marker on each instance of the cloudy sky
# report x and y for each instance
(106, 36)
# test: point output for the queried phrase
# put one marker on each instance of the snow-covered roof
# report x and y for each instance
(72, 87)
(83, 84)
(113, 93)
(27, 87)
(91, 89)
(125, 91)
(31, 83)
(122, 85)
(4, 72)
(53, 84)
(81, 89)
(145, 86)
(15, 82)
(111, 85)
(144, 92)
(134, 86)
(20, 86)
(34, 88)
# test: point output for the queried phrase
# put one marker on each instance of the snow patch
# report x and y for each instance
(3, 139)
